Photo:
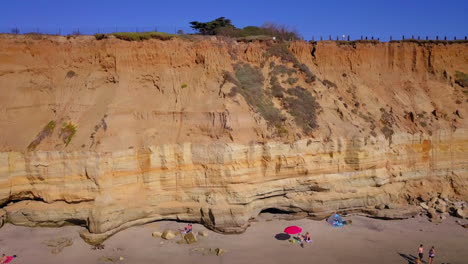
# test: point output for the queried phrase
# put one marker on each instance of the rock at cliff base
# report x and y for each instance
(431, 212)
(2, 217)
(433, 216)
(190, 238)
(203, 233)
(168, 234)
(156, 234)
(424, 206)
(380, 206)
(219, 251)
(441, 208)
(462, 213)
(443, 216)
(400, 213)
(181, 241)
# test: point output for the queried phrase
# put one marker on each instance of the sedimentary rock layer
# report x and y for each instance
(109, 134)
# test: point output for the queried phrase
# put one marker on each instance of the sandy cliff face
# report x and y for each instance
(109, 134)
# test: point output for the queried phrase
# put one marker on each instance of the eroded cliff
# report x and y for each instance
(108, 134)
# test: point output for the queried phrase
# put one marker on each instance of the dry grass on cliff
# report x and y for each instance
(139, 36)
(282, 52)
(461, 79)
(329, 84)
(45, 132)
(249, 83)
(100, 36)
(301, 104)
(297, 101)
(276, 89)
(281, 69)
(67, 132)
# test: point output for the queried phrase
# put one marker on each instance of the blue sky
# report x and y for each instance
(312, 18)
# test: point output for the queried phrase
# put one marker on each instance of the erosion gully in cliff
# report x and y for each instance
(109, 134)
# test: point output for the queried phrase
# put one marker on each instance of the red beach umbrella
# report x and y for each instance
(292, 230)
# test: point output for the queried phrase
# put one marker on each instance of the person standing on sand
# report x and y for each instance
(431, 254)
(420, 253)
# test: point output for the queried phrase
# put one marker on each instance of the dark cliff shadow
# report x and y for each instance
(282, 236)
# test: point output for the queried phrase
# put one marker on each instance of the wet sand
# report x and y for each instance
(365, 241)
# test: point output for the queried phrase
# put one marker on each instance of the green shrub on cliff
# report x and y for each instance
(461, 79)
(223, 26)
(276, 89)
(67, 132)
(139, 36)
(100, 36)
(282, 52)
(303, 107)
(249, 83)
(45, 132)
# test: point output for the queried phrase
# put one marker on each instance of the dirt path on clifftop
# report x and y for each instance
(365, 241)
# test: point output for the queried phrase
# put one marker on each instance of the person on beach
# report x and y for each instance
(431, 254)
(420, 254)
(307, 238)
(6, 259)
(300, 238)
(188, 229)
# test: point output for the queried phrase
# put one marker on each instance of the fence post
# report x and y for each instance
(329, 37)
(465, 37)
(312, 38)
(321, 38)
(454, 38)
(372, 38)
(445, 37)
(427, 37)
(361, 37)
(366, 37)
(349, 37)
(437, 37)
(403, 38)
(412, 36)
(391, 38)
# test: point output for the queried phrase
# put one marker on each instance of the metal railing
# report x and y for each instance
(389, 38)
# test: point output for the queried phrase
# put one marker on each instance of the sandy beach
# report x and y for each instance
(365, 241)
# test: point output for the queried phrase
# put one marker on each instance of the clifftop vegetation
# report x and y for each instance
(224, 27)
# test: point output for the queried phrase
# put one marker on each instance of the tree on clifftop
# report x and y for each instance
(224, 27)
(211, 28)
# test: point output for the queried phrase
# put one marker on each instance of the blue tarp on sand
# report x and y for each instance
(335, 220)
